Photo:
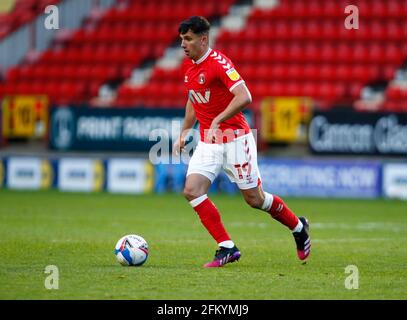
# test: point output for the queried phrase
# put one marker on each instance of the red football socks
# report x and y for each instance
(282, 213)
(210, 218)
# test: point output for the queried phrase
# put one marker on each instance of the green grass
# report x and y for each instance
(77, 233)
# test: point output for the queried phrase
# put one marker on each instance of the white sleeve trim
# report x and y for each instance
(236, 84)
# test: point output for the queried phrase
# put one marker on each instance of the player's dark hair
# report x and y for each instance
(197, 24)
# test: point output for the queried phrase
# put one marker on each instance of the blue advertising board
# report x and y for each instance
(113, 129)
(2, 172)
(321, 178)
(354, 133)
(28, 172)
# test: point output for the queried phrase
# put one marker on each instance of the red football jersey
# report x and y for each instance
(209, 82)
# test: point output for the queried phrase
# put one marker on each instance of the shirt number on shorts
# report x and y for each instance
(244, 168)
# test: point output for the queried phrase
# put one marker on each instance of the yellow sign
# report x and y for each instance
(46, 174)
(149, 171)
(25, 116)
(282, 118)
(98, 175)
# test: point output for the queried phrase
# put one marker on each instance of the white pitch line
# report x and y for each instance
(364, 226)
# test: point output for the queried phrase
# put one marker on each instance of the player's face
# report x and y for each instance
(193, 44)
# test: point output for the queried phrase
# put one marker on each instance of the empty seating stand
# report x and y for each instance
(297, 48)
(108, 50)
(302, 48)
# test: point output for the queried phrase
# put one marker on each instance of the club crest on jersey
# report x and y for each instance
(201, 78)
(232, 74)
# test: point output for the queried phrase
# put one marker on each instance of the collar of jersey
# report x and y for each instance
(202, 59)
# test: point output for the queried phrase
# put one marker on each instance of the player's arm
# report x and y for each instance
(189, 122)
(241, 99)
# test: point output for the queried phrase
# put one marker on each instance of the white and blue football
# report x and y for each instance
(131, 250)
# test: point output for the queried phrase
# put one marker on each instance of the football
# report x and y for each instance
(131, 250)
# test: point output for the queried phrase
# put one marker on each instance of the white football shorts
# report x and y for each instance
(237, 158)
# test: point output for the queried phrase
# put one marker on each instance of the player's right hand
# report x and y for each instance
(178, 146)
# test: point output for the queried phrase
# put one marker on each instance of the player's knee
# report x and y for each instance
(254, 202)
(191, 193)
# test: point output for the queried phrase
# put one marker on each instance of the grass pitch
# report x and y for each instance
(78, 232)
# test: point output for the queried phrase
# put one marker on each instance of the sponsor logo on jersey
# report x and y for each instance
(233, 75)
(198, 97)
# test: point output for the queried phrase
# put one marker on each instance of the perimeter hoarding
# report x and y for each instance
(358, 133)
(316, 178)
(395, 180)
(114, 129)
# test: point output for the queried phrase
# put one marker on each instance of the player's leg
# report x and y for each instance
(196, 190)
(257, 198)
(202, 171)
(242, 169)
(277, 208)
